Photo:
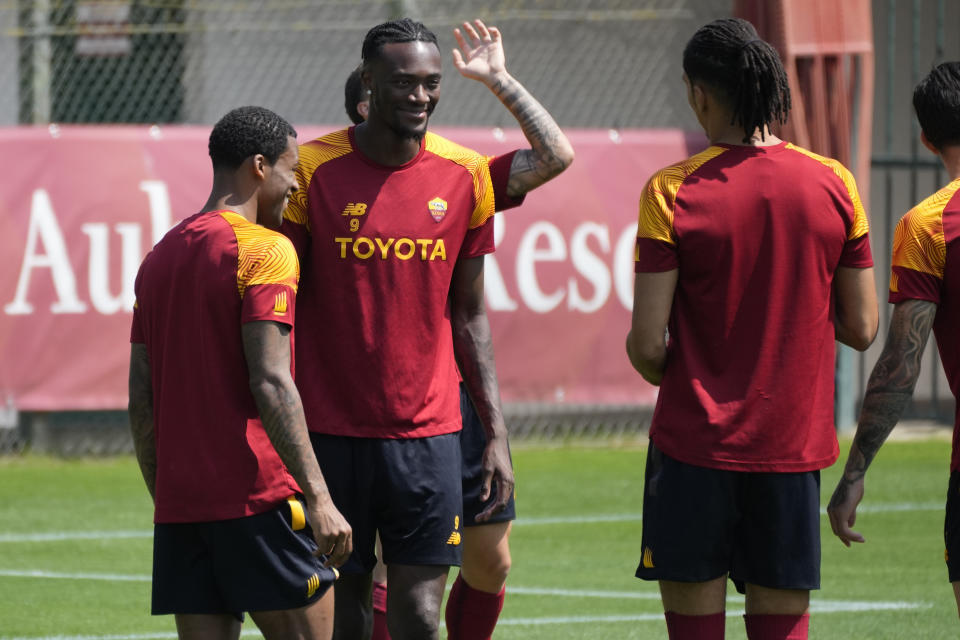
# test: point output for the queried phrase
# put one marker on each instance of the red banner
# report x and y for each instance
(81, 206)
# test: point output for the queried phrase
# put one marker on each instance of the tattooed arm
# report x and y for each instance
(266, 346)
(473, 347)
(888, 391)
(483, 59)
(140, 407)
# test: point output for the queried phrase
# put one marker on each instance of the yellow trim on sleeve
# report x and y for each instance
(659, 196)
(312, 155)
(860, 224)
(263, 256)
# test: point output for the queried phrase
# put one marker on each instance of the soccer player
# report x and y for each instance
(478, 600)
(925, 291)
(752, 256)
(395, 221)
(242, 511)
(356, 98)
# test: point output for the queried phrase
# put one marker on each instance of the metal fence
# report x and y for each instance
(593, 63)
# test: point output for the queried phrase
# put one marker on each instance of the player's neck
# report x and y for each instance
(384, 146)
(950, 155)
(226, 195)
(733, 135)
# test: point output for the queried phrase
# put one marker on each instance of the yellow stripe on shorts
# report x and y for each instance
(298, 519)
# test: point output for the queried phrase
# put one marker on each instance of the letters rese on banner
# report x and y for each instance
(86, 206)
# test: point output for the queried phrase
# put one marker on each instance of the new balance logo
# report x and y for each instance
(355, 209)
(313, 583)
(648, 558)
(454, 538)
(280, 304)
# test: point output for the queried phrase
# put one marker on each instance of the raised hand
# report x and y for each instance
(480, 56)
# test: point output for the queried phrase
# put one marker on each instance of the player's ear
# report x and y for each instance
(927, 143)
(258, 164)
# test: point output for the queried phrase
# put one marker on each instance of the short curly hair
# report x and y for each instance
(247, 131)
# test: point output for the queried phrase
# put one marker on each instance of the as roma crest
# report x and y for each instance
(438, 209)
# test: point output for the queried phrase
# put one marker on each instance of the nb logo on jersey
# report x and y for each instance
(355, 209)
(280, 304)
(428, 249)
(437, 208)
(313, 583)
(648, 558)
(455, 537)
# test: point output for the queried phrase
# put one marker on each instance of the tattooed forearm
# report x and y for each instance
(267, 349)
(141, 415)
(550, 151)
(891, 383)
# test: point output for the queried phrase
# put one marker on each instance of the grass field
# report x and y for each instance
(75, 551)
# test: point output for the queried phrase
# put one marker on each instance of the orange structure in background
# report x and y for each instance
(827, 51)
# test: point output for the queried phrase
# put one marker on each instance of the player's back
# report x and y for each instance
(757, 234)
(214, 459)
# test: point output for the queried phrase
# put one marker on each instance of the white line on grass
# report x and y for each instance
(54, 536)
(816, 606)
(110, 577)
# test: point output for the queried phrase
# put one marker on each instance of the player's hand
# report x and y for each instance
(480, 56)
(497, 470)
(842, 509)
(332, 532)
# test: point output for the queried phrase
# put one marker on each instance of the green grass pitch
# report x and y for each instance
(75, 551)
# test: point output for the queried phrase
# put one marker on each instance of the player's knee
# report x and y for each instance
(415, 622)
(487, 571)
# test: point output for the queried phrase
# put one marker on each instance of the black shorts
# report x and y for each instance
(473, 441)
(951, 527)
(263, 562)
(406, 489)
(700, 524)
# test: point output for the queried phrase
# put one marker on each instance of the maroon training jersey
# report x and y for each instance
(756, 234)
(926, 266)
(379, 244)
(207, 276)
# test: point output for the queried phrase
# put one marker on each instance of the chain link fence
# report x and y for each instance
(592, 63)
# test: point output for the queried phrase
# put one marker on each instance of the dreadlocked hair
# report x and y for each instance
(730, 57)
(402, 30)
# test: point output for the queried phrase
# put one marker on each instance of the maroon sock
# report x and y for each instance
(708, 627)
(472, 614)
(777, 627)
(380, 612)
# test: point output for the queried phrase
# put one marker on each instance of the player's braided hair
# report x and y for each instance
(402, 30)
(937, 103)
(247, 131)
(353, 94)
(730, 57)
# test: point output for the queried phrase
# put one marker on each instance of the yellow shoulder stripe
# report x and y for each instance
(660, 195)
(860, 225)
(263, 256)
(479, 168)
(312, 155)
